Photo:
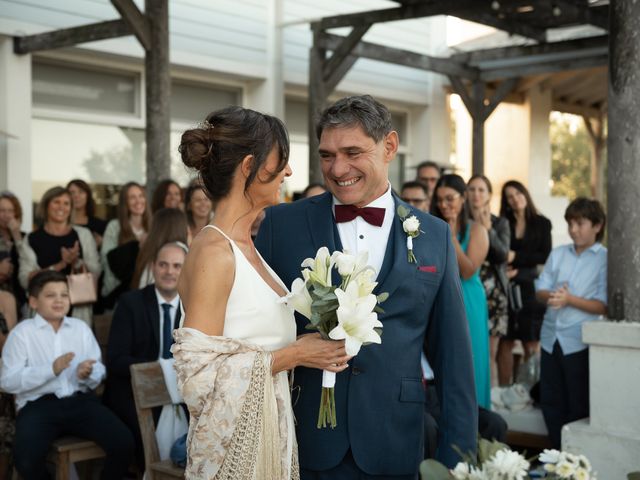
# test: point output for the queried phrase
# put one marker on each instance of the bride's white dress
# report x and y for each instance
(255, 316)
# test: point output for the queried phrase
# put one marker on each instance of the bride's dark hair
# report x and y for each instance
(224, 139)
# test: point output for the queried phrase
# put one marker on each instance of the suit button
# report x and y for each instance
(356, 371)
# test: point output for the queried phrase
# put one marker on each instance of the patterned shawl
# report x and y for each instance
(238, 426)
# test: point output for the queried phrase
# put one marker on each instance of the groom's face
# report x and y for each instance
(356, 167)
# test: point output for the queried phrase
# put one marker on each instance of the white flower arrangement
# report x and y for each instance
(497, 462)
(348, 311)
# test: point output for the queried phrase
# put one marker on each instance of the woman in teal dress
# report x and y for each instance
(471, 242)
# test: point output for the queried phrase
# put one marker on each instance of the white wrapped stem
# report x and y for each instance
(409, 242)
(328, 379)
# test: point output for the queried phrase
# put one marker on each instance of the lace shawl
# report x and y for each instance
(238, 426)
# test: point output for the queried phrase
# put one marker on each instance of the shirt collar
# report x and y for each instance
(383, 201)
(174, 302)
(595, 248)
(41, 322)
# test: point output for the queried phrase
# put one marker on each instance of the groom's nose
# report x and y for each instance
(340, 166)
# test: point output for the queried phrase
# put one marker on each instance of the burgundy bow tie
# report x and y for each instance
(372, 215)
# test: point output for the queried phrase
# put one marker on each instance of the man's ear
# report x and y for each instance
(33, 302)
(246, 165)
(391, 142)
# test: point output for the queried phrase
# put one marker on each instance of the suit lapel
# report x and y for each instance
(322, 225)
(153, 313)
(395, 266)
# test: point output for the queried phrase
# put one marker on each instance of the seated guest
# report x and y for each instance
(84, 208)
(167, 194)
(58, 245)
(168, 225)
(122, 239)
(10, 238)
(141, 331)
(51, 365)
(198, 207)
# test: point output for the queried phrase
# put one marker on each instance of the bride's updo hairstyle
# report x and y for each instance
(224, 139)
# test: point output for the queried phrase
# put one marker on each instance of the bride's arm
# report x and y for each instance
(205, 284)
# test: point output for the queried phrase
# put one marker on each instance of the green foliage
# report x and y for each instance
(633, 476)
(570, 156)
(433, 470)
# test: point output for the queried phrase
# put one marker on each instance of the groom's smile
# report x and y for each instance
(354, 165)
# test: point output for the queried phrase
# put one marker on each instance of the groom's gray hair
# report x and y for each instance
(358, 111)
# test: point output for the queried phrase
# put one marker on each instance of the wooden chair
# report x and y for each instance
(150, 391)
(68, 450)
(101, 328)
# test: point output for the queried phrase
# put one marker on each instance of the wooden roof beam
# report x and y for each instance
(397, 56)
(546, 67)
(501, 53)
(437, 7)
(69, 37)
(511, 26)
(582, 13)
(136, 20)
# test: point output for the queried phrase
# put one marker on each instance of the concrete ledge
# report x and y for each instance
(614, 334)
(612, 456)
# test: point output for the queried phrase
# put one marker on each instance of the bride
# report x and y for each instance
(239, 339)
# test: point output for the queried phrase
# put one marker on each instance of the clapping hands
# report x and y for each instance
(85, 368)
(70, 255)
(559, 298)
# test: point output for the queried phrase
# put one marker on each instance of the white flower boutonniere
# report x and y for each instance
(411, 226)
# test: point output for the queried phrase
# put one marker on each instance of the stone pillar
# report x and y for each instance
(15, 127)
(158, 88)
(610, 438)
(623, 173)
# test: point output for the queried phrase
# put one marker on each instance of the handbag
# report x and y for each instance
(82, 287)
(514, 297)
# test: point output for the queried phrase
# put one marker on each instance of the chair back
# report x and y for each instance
(149, 391)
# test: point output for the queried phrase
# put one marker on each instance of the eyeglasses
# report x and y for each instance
(414, 201)
(449, 199)
(428, 179)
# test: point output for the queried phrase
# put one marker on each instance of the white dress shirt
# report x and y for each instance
(29, 353)
(175, 304)
(359, 235)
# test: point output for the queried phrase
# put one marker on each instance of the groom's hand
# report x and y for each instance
(315, 352)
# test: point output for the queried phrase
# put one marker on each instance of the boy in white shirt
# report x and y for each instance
(51, 363)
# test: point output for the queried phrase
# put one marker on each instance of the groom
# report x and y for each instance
(380, 397)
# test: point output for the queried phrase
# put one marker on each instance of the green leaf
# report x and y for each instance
(403, 211)
(378, 309)
(633, 476)
(382, 297)
(487, 449)
(433, 470)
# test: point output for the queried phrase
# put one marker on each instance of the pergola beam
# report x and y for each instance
(68, 37)
(512, 27)
(404, 12)
(547, 67)
(397, 56)
(136, 20)
(343, 51)
(598, 43)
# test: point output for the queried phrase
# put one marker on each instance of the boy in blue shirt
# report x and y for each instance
(573, 285)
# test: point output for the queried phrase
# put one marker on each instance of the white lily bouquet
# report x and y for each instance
(348, 311)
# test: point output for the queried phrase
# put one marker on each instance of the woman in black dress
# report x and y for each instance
(530, 247)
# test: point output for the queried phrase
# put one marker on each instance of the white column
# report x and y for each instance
(610, 438)
(268, 95)
(15, 126)
(539, 183)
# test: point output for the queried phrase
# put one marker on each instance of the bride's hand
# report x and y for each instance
(315, 352)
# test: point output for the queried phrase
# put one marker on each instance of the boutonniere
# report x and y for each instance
(411, 226)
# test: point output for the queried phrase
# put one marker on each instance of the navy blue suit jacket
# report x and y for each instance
(380, 397)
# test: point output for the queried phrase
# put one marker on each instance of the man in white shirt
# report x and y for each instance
(51, 363)
(141, 331)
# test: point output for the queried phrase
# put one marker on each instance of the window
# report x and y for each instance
(72, 88)
(191, 103)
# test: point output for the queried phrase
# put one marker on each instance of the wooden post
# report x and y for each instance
(477, 146)
(317, 99)
(623, 195)
(158, 88)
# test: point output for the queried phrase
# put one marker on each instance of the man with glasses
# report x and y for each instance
(428, 172)
(416, 194)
